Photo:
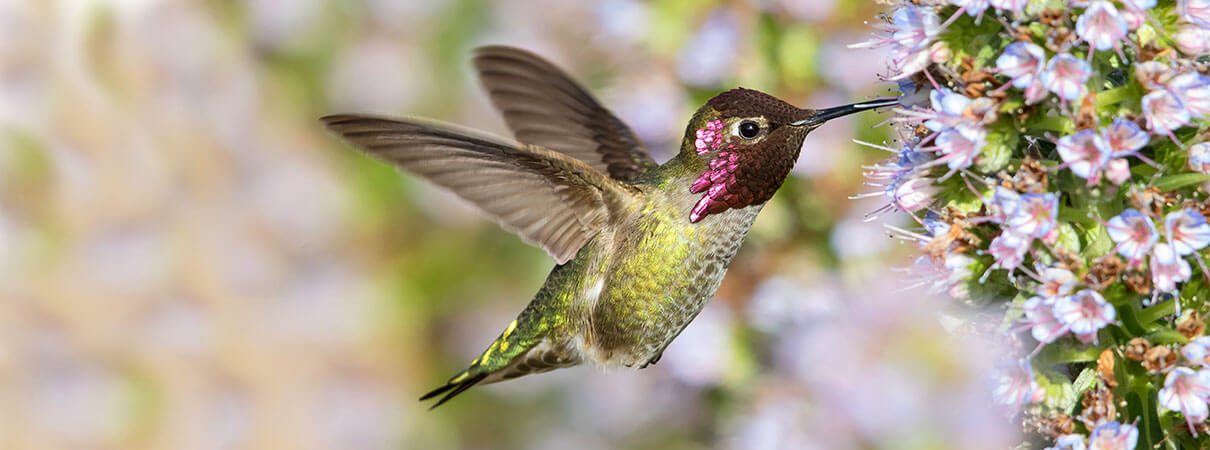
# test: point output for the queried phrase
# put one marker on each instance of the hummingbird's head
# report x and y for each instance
(748, 141)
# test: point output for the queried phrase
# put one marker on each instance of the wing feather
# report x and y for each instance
(545, 107)
(549, 199)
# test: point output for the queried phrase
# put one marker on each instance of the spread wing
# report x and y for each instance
(549, 199)
(544, 107)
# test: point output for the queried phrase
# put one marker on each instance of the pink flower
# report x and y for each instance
(1021, 62)
(1009, 249)
(1065, 75)
(914, 194)
(1041, 320)
(1036, 214)
(1015, 384)
(1084, 314)
(1187, 230)
(1196, 12)
(1168, 268)
(1164, 111)
(1196, 352)
(973, 8)
(1101, 25)
(1186, 392)
(1114, 436)
(1117, 171)
(1134, 233)
(1083, 154)
(1199, 157)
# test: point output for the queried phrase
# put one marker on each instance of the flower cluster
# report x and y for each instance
(1054, 156)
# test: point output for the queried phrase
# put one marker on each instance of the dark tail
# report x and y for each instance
(455, 386)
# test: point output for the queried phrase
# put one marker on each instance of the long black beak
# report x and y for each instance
(826, 114)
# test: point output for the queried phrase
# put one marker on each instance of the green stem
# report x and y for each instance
(1054, 123)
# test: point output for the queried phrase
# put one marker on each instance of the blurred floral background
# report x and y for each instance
(188, 261)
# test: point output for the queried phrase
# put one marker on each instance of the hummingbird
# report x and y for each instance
(640, 247)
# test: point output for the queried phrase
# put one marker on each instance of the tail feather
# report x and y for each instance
(455, 386)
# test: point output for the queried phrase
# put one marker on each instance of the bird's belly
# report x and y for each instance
(658, 285)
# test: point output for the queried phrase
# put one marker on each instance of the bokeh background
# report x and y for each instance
(188, 261)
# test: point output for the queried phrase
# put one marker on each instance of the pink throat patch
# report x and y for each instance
(714, 180)
(710, 138)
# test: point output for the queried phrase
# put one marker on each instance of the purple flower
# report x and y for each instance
(1186, 392)
(1021, 62)
(1084, 314)
(950, 109)
(1196, 12)
(1134, 233)
(1036, 214)
(1041, 320)
(1196, 352)
(1065, 75)
(1193, 40)
(1114, 436)
(1164, 111)
(909, 36)
(1083, 154)
(1101, 25)
(959, 146)
(1199, 157)
(1187, 230)
(1003, 204)
(1057, 282)
(1168, 268)
(1069, 442)
(1124, 138)
(1009, 249)
(1015, 384)
(1193, 89)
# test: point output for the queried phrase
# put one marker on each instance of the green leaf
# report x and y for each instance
(995, 155)
(1180, 180)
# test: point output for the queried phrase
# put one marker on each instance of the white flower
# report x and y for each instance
(1199, 157)
(1193, 90)
(1021, 62)
(1084, 314)
(1057, 282)
(1186, 392)
(1187, 230)
(1036, 214)
(1084, 155)
(1164, 111)
(1193, 40)
(1196, 12)
(1101, 25)
(959, 146)
(1015, 384)
(1196, 352)
(1040, 317)
(1009, 249)
(1134, 233)
(1065, 75)
(1168, 268)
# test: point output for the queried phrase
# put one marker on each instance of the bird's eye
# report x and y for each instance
(748, 129)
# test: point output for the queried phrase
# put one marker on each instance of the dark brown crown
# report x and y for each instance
(740, 102)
